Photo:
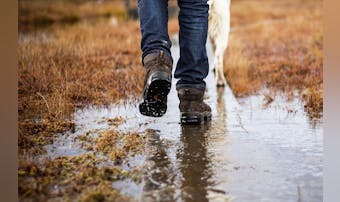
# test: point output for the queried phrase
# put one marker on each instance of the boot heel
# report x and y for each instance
(155, 94)
(160, 75)
(193, 118)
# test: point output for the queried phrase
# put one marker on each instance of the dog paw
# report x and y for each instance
(220, 84)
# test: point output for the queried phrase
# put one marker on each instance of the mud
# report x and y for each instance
(254, 149)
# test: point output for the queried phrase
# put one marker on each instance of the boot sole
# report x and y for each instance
(156, 91)
(195, 117)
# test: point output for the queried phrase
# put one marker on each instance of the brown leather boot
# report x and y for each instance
(193, 109)
(157, 84)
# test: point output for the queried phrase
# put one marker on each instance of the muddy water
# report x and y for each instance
(249, 151)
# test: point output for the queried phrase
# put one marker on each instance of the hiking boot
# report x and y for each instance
(157, 84)
(193, 109)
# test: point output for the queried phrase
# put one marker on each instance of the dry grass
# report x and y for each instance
(274, 44)
(62, 68)
(277, 45)
(66, 68)
(40, 13)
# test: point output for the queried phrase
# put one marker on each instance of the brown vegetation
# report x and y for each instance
(40, 13)
(66, 68)
(85, 177)
(277, 45)
(118, 145)
(76, 178)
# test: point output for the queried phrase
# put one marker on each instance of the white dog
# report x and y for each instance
(218, 31)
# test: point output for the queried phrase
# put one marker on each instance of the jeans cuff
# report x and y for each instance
(198, 86)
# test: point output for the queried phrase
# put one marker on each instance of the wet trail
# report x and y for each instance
(247, 153)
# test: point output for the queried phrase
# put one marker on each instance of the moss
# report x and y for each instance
(116, 121)
(34, 135)
(76, 178)
(119, 145)
(101, 193)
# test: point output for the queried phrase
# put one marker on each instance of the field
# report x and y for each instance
(73, 55)
(277, 45)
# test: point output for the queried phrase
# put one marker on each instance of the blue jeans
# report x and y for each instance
(193, 65)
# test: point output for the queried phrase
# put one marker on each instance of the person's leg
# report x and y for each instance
(193, 65)
(154, 26)
(157, 59)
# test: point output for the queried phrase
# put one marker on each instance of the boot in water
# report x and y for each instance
(193, 109)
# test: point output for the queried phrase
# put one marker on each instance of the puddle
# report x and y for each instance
(249, 152)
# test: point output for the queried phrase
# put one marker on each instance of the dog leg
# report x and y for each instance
(219, 27)
(219, 54)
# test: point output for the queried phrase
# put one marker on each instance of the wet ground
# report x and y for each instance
(251, 151)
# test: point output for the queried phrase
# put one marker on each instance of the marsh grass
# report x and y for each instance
(84, 177)
(277, 45)
(62, 69)
(40, 13)
(76, 178)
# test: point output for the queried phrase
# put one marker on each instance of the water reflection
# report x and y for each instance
(221, 112)
(248, 152)
(190, 175)
(194, 163)
(159, 172)
(186, 178)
